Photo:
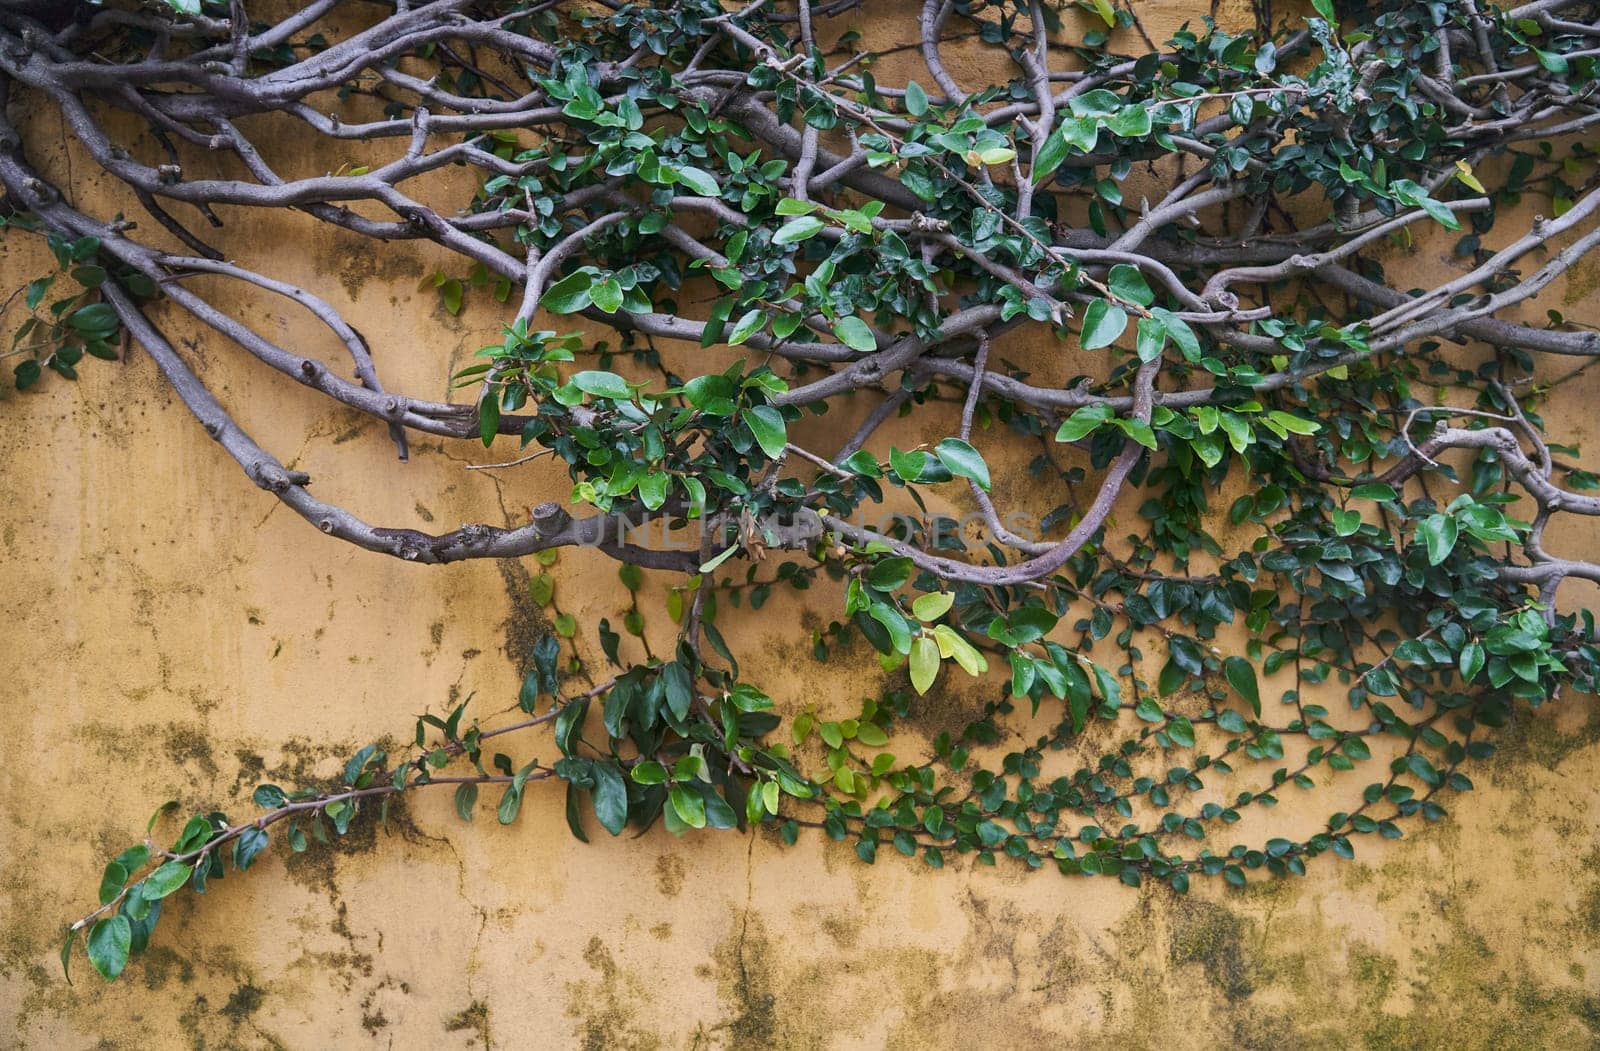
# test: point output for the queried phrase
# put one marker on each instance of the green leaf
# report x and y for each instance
(607, 295)
(1102, 324)
(1132, 122)
(1152, 338)
(766, 423)
(1241, 675)
(542, 588)
(603, 385)
(1325, 9)
(871, 735)
(854, 333)
(109, 942)
(66, 955)
(952, 644)
(1552, 61)
(907, 466)
(701, 182)
(707, 567)
(112, 882)
(1374, 491)
(1171, 678)
(1129, 285)
(712, 394)
(1471, 661)
(964, 461)
(510, 803)
(1179, 332)
(466, 799)
(929, 608)
(569, 295)
(924, 663)
(1294, 424)
(610, 797)
(649, 772)
(95, 320)
(1096, 103)
(1139, 431)
(1083, 422)
(488, 416)
(164, 880)
(679, 687)
(1439, 533)
(1048, 157)
(27, 373)
(1345, 523)
(689, 806)
(916, 99)
(797, 230)
(251, 842)
(749, 324)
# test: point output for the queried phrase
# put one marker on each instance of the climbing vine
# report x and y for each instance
(800, 254)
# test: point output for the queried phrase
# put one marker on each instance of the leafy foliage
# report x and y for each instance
(732, 179)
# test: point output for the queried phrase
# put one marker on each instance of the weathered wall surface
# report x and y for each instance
(170, 633)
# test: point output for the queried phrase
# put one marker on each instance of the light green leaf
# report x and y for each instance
(710, 566)
(689, 806)
(951, 644)
(854, 333)
(701, 182)
(797, 230)
(1083, 422)
(924, 663)
(1294, 424)
(931, 607)
(602, 385)
(1102, 324)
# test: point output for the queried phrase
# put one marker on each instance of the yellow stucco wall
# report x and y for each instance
(171, 633)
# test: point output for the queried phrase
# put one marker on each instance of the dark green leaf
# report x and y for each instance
(110, 940)
(1241, 675)
(964, 461)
